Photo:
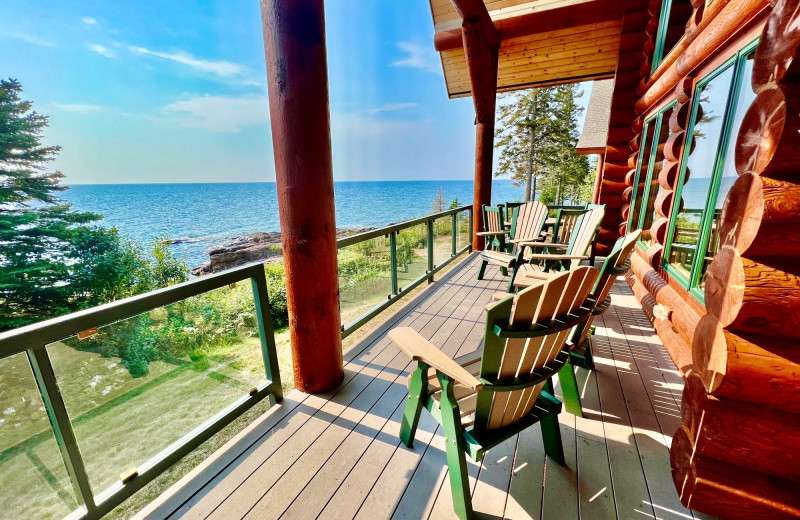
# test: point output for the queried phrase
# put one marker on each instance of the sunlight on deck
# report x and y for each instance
(338, 455)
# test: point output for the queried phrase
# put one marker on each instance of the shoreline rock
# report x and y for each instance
(253, 247)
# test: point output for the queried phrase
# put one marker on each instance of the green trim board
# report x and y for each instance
(691, 282)
(656, 120)
(661, 35)
(634, 197)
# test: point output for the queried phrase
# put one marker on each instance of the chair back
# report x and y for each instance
(617, 262)
(566, 222)
(493, 218)
(526, 343)
(585, 231)
(528, 221)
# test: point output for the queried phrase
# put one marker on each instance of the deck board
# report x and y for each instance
(337, 455)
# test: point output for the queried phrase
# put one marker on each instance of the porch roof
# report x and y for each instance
(543, 42)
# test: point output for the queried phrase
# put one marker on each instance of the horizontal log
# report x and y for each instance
(754, 369)
(668, 176)
(613, 202)
(699, 47)
(627, 195)
(659, 230)
(760, 217)
(618, 154)
(654, 254)
(679, 119)
(683, 317)
(674, 145)
(623, 227)
(777, 57)
(748, 435)
(768, 143)
(675, 345)
(748, 296)
(727, 490)
(683, 93)
(663, 203)
(612, 187)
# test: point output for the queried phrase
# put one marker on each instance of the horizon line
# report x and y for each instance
(257, 182)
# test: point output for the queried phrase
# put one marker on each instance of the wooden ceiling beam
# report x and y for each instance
(549, 20)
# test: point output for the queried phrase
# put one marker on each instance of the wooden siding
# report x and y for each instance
(574, 54)
(338, 455)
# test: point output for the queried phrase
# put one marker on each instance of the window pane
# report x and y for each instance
(729, 175)
(652, 178)
(644, 160)
(713, 98)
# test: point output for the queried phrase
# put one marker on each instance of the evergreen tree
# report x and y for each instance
(537, 133)
(51, 262)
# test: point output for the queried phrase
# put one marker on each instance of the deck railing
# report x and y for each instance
(397, 259)
(97, 436)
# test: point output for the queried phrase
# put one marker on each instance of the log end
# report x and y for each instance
(710, 352)
(742, 212)
(724, 290)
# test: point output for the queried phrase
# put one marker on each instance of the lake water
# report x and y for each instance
(204, 215)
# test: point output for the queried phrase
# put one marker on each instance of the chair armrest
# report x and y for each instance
(548, 256)
(500, 295)
(528, 243)
(491, 233)
(420, 349)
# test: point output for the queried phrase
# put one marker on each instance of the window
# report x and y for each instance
(656, 132)
(671, 27)
(707, 173)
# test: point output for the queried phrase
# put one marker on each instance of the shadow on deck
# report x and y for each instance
(338, 455)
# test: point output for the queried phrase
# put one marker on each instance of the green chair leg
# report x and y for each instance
(414, 403)
(482, 270)
(455, 449)
(551, 434)
(569, 390)
(504, 271)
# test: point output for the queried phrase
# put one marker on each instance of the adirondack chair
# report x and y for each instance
(480, 402)
(494, 231)
(526, 225)
(616, 263)
(558, 257)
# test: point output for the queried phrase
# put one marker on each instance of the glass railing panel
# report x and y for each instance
(463, 237)
(33, 480)
(412, 254)
(365, 277)
(134, 387)
(442, 239)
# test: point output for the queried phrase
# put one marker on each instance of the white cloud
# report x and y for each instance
(422, 57)
(392, 107)
(78, 107)
(221, 113)
(88, 20)
(103, 51)
(220, 68)
(28, 38)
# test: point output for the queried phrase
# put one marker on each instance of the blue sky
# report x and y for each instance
(154, 91)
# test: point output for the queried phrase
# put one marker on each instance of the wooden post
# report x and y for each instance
(297, 70)
(481, 45)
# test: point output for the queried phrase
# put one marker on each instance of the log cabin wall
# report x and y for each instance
(737, 453)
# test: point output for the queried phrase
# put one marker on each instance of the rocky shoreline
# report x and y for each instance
(253, 247)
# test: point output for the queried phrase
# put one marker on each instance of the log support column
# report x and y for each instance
(297, 70)
(481, 45)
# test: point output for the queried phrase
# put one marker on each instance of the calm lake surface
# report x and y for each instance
(204, 215)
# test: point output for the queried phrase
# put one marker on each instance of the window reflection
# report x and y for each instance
(729, 175)
(699, 173)
(641, 172)
(652, 188)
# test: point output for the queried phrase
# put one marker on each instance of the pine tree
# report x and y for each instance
(537, 133)
(36, 227)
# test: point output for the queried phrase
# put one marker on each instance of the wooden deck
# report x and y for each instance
(338, 455)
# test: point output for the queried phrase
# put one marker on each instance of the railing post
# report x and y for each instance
(453, 226)
(430, 250)
(62, 427)
(264, 319)
(393, 254)
(471, 229)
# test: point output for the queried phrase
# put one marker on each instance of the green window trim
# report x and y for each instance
(655, 120)
(691, 282)
(634, 198)
(661, 35)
